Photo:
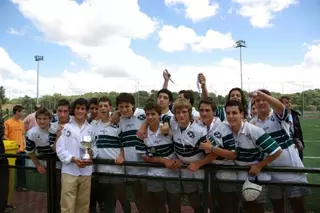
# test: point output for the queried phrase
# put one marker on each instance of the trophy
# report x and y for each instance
(85, 145)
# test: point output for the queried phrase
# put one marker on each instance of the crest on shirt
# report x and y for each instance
(217, 134)
(129, 126)
(142, 117)
(68, 133)
(248, 136)
(190, 134)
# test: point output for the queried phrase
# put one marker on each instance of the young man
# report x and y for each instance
(223, 146)
(39, 138)
(130, 121)
(31, 121)
(108, 146)
(187, 137)
(165, 99)
(76, 173)
(14, 130)
(220, 112)
(160, 149)
(189, 95)
(295, 125)
(273, 117)
(93, 109)
(254, 148)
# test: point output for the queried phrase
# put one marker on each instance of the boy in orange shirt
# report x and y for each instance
(14, 130)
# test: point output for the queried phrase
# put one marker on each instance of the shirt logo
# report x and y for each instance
(190, 134)
(272, 118)
(68, 133)
(129, 126)
(142, 117)
(249, 136)
(217, 134)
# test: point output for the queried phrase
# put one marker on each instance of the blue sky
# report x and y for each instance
(278, 45)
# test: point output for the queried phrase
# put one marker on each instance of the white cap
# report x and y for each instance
(251, 191)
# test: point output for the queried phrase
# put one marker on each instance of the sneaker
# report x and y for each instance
(9, 208)
(21, 189)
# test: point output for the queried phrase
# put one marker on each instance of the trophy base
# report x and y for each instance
(86, 156)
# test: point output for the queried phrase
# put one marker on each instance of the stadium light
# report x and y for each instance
(240, 44)
(38, 58)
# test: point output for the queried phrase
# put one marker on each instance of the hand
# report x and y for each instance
(41, 169)
(207, 146)
(176, 164)
(141, 134)
(169, 163)
(165, 129)
(87, 163)
(193, 167)
(115, 117)
(119, 160)
(255, 169)
(166, 75)
(233, 156)
(202, 79)
(78, 162)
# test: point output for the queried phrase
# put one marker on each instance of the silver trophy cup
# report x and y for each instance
(85, 145)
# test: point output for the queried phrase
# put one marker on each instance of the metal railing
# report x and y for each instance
(208, 170)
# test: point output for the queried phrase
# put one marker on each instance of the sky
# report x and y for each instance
(124, 45)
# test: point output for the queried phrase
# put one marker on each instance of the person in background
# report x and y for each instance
(31, 121)
(295, 126)
(93, 109)
(254, 111)
(14, 130)
(4, 171)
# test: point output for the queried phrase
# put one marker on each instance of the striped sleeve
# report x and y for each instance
(265, 142)
(220, 113)
(284, 117)
(30, 143)
(166, 119)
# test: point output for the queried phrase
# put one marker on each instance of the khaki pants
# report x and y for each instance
(75, 193)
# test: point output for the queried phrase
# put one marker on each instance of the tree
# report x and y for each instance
(3, 98)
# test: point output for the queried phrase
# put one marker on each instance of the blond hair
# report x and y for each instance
(181, 103)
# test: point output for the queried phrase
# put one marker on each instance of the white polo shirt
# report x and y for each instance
(133, 146)
(252, 146)
(68, 146)
(107, 145)
(279, 129)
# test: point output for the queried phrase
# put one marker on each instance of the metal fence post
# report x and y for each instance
(206, 191)
(51, 198)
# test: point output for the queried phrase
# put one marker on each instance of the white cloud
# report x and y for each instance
(222, 76)
(173, 39)
(196, 10)
(99, 31)
(261, 12)
(13, 31)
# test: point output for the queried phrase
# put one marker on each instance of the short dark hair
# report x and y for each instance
(125, 97)
(265, 91)
(244, 102)
(104, 99)
(17, 108)
(166, 91)
(232, 103)
(63, 102)
(155, 106)
(45, 112)
(81, 102)
(93, 101)
(210, 102)
(188, 94)
(37, 107)
(284, 97)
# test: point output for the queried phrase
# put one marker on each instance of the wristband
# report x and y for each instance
(212, 147)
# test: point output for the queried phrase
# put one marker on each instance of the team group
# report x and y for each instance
(172, 133)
